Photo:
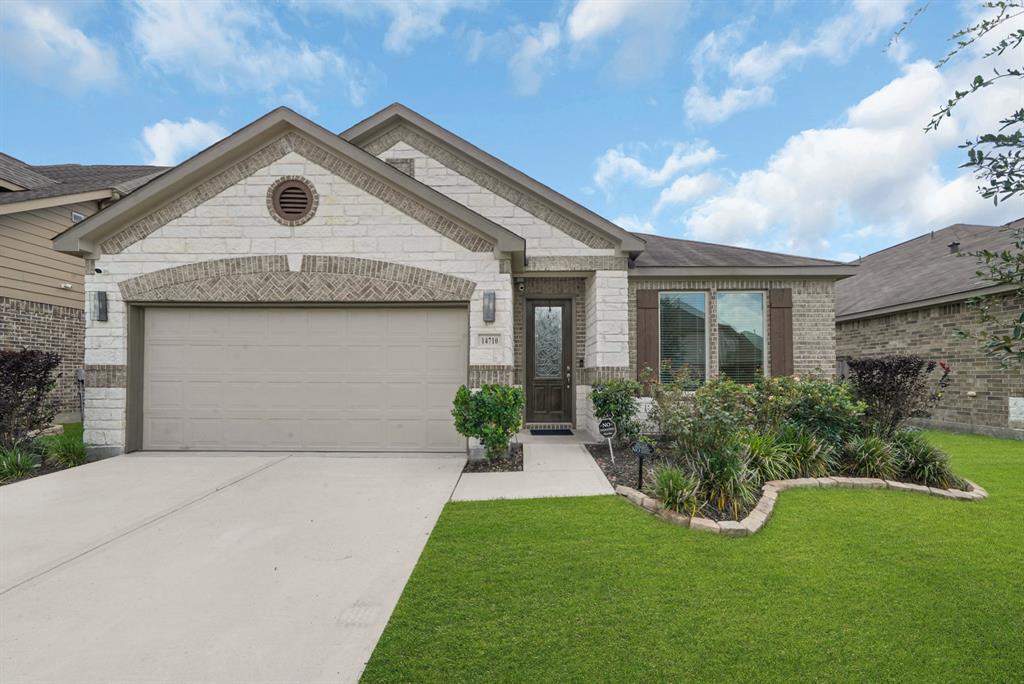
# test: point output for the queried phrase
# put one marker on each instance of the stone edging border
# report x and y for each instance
(757, 518)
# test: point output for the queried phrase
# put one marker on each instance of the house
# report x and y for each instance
(912, 298)
(292, 288)
(42, 291)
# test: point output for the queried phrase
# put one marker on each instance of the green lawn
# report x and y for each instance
(841, 585)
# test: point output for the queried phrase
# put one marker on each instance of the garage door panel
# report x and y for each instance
(303, 379)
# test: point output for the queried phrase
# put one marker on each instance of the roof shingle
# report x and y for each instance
(69, 179)
(919, 269)
(665, 252)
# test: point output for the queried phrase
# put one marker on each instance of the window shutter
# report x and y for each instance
(780, 320)
(646, 331)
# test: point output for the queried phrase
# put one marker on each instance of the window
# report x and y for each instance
(683, 335)
(741, 335)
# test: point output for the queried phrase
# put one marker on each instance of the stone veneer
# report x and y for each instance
(814, 350)
(931, 332)
(393, 142)
(50, 328)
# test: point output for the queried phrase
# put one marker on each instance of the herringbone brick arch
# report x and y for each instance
(257, 279)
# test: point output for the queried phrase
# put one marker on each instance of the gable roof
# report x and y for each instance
(672, 256)
(65, 180)
(85, 237)
(920, 271)
(398, 114)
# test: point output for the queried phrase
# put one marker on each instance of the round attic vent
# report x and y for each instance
(292, 200)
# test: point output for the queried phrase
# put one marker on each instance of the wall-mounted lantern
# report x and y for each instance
(489, 306)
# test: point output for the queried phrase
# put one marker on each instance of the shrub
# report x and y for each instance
(921, 462)
(769, 457)
(727, 483)
(675, 489)
(26, 400)
(708, 419)
(870, 457)
(825, 408)
(66, 450)
(895, 389)
(616, 399)
(492, 414)
(811, 457)
(16, 462)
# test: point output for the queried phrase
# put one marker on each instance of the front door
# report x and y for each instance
(549, 361)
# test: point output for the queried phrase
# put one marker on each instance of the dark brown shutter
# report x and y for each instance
(780, 318)
(647, 331)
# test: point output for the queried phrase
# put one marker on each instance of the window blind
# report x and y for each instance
(741, 335)
(683, 335)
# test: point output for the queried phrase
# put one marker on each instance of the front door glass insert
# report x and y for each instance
(547, 341)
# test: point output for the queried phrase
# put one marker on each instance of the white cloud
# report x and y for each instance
(878, 172)
(411, 21)
(227, 45)
(171, 141)
(616, 165)
(752, 72)
(686, 189)
(700, 105)
(635, 224)
(594, 18)
(534, 56)
(41, 40)
(645, 32)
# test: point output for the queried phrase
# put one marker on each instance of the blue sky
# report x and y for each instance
(780, 125)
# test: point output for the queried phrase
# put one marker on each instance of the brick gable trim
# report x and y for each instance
(262, 279)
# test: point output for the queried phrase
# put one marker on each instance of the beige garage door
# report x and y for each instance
(313, 379)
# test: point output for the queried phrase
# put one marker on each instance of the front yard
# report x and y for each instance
(840, 585)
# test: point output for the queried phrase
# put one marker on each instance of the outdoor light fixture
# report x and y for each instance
(99, 306)
(489, 306)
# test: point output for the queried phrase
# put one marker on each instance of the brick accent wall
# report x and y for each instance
(930, 332)
(46, 327)
(814, 349)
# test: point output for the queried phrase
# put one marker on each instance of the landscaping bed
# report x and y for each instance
(626, 467)
(511, 463)
(42, 455)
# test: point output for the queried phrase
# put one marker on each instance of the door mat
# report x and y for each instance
(538, 431)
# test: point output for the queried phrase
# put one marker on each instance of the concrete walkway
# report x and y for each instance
(552, 466)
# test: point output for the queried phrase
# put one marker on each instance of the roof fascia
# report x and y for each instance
(56, 201)
(837, 272)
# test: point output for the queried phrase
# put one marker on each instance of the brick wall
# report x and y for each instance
(46, 327)
(930, 332)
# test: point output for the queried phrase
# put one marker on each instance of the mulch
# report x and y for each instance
(513, 463)
(625, 469)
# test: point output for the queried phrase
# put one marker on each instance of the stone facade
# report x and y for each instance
(979, 398)
(814, 335)
(352, 232)
(547, 232)
(60, 329)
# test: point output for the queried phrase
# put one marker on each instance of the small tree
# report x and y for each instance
(997, 160)
(896, 388)
(1001, 337)
(26, 393)
(492, 414)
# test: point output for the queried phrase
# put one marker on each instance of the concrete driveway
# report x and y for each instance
(210, 568)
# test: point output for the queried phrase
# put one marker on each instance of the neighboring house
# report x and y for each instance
(293, 289)
(42, 291)
(912, 298)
